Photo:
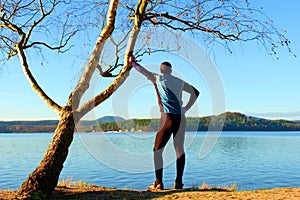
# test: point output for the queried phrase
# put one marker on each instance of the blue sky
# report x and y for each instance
(254, 83)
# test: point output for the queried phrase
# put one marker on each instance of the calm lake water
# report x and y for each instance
(251, 159)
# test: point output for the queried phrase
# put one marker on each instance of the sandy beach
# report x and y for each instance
(94, 192)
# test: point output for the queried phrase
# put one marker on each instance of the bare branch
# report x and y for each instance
(104, 74)
(62, 45)
(20, 45)
(190, 25)
(123, 74)
(8, 44)
(118, 48)
(83, 84)
(43, 16)
(224, 21)
(35, 86)
(9, 25)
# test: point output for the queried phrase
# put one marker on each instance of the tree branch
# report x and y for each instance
(43, 16)
(35, 86)
(219, 21)
(123, 74)
(62, 45)
(19, 48)
(118, 48)
(83, 84)
(189, 26)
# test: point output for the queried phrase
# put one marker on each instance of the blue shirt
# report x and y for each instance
(170, 92)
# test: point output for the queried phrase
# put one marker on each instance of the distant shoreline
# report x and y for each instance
(226, 122)
(141, 132)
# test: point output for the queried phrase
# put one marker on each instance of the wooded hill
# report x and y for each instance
(232, 122)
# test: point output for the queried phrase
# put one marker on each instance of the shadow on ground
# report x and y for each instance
(92, 193)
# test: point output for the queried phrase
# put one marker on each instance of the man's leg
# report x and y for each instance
(178, 141)
(163, 135)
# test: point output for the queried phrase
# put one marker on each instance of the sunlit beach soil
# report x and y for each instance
(93, 192)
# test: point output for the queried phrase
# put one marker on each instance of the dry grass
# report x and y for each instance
(7, 194)
(70, 183)
(205, 187)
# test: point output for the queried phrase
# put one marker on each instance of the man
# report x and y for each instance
(169, 92)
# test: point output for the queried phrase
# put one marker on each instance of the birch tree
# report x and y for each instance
(25, 25)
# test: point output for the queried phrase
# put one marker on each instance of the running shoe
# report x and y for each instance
(156, 186)
(178, 186)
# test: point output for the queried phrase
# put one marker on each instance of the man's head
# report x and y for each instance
(166, 68)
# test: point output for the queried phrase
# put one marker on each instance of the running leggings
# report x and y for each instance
(170, 124)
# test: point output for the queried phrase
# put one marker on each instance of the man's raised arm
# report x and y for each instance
(141, 69)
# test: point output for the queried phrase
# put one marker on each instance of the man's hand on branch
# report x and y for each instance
(131, 59)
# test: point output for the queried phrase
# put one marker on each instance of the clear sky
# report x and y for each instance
(254, 83)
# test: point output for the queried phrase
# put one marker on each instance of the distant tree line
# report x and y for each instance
(232, 122)
(27, 129)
